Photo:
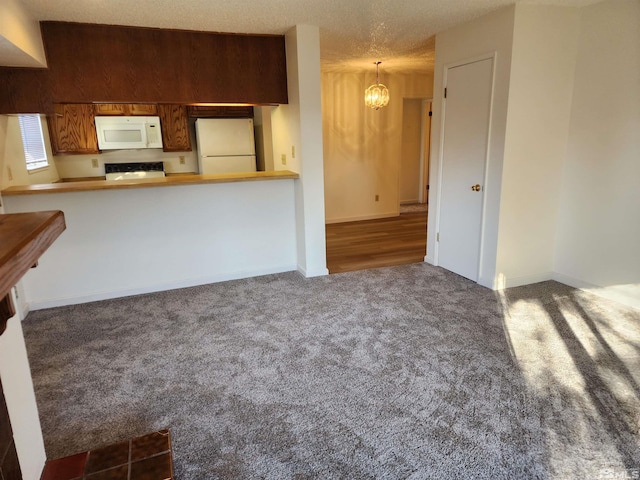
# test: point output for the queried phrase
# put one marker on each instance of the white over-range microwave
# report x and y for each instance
(116, 133)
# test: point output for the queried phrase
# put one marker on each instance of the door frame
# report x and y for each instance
(425, 154)
(440, 161)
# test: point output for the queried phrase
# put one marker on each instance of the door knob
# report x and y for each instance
(476, 187)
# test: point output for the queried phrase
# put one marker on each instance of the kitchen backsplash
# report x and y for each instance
(92, 165)
(78, 166)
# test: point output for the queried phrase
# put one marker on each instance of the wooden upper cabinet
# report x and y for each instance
(107, 63)
(147, 109)
(144, 109)
(203, 111)
(25, 90)
(175, 128)
(110, 108)
(72, 129)
(90, 63)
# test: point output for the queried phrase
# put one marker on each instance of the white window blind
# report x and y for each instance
(33, 142)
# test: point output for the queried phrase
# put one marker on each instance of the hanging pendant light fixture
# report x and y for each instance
(377, 95)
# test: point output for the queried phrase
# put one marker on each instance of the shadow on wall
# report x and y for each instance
(363, 147)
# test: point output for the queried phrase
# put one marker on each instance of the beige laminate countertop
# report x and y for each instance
(89, 185)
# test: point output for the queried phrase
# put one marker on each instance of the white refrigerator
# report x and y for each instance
(225, 145)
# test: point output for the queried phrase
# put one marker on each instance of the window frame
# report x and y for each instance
(33, 144)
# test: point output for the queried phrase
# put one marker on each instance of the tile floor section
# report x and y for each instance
(142, 458)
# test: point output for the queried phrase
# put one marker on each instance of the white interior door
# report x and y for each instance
(466, 129)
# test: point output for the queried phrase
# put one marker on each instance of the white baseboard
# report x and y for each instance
(313, 273)
(24, 311)
(358, 218)
(192, 282)
(626, 294)
(572, 282)
(526, 280)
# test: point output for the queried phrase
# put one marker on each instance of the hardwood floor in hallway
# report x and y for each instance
(376, 243)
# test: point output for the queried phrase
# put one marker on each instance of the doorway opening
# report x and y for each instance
(413, 178)
(397, 240)
(382, 242)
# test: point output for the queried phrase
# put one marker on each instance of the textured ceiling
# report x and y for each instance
(353, 33)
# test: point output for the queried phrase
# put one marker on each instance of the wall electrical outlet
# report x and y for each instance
(181, 159)
(94, 162)
(284, 158)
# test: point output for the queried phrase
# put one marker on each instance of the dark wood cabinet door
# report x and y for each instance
(175, 128)
(148, 109)
(108, 63)
(72, 129)
(143, 109)
(110, 109)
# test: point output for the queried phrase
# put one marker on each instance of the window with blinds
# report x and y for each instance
(33, 142)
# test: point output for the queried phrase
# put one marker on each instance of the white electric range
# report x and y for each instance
(133, 170)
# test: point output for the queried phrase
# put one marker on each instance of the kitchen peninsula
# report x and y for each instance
(89, 185)
(129, 237)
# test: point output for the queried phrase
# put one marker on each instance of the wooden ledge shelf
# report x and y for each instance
(24, 237)
(174, 180)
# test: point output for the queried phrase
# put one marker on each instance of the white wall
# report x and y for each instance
(489, 35)
(541, 86)
(4, 126)
(13, 169)
(80, 166)
(363, 147)
(297, 134)
(599, 219)
(12, 161)
(21, 401)
(561, 191)
(129, 241)
(20, 36)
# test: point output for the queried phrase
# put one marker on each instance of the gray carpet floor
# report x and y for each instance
(397, 373)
